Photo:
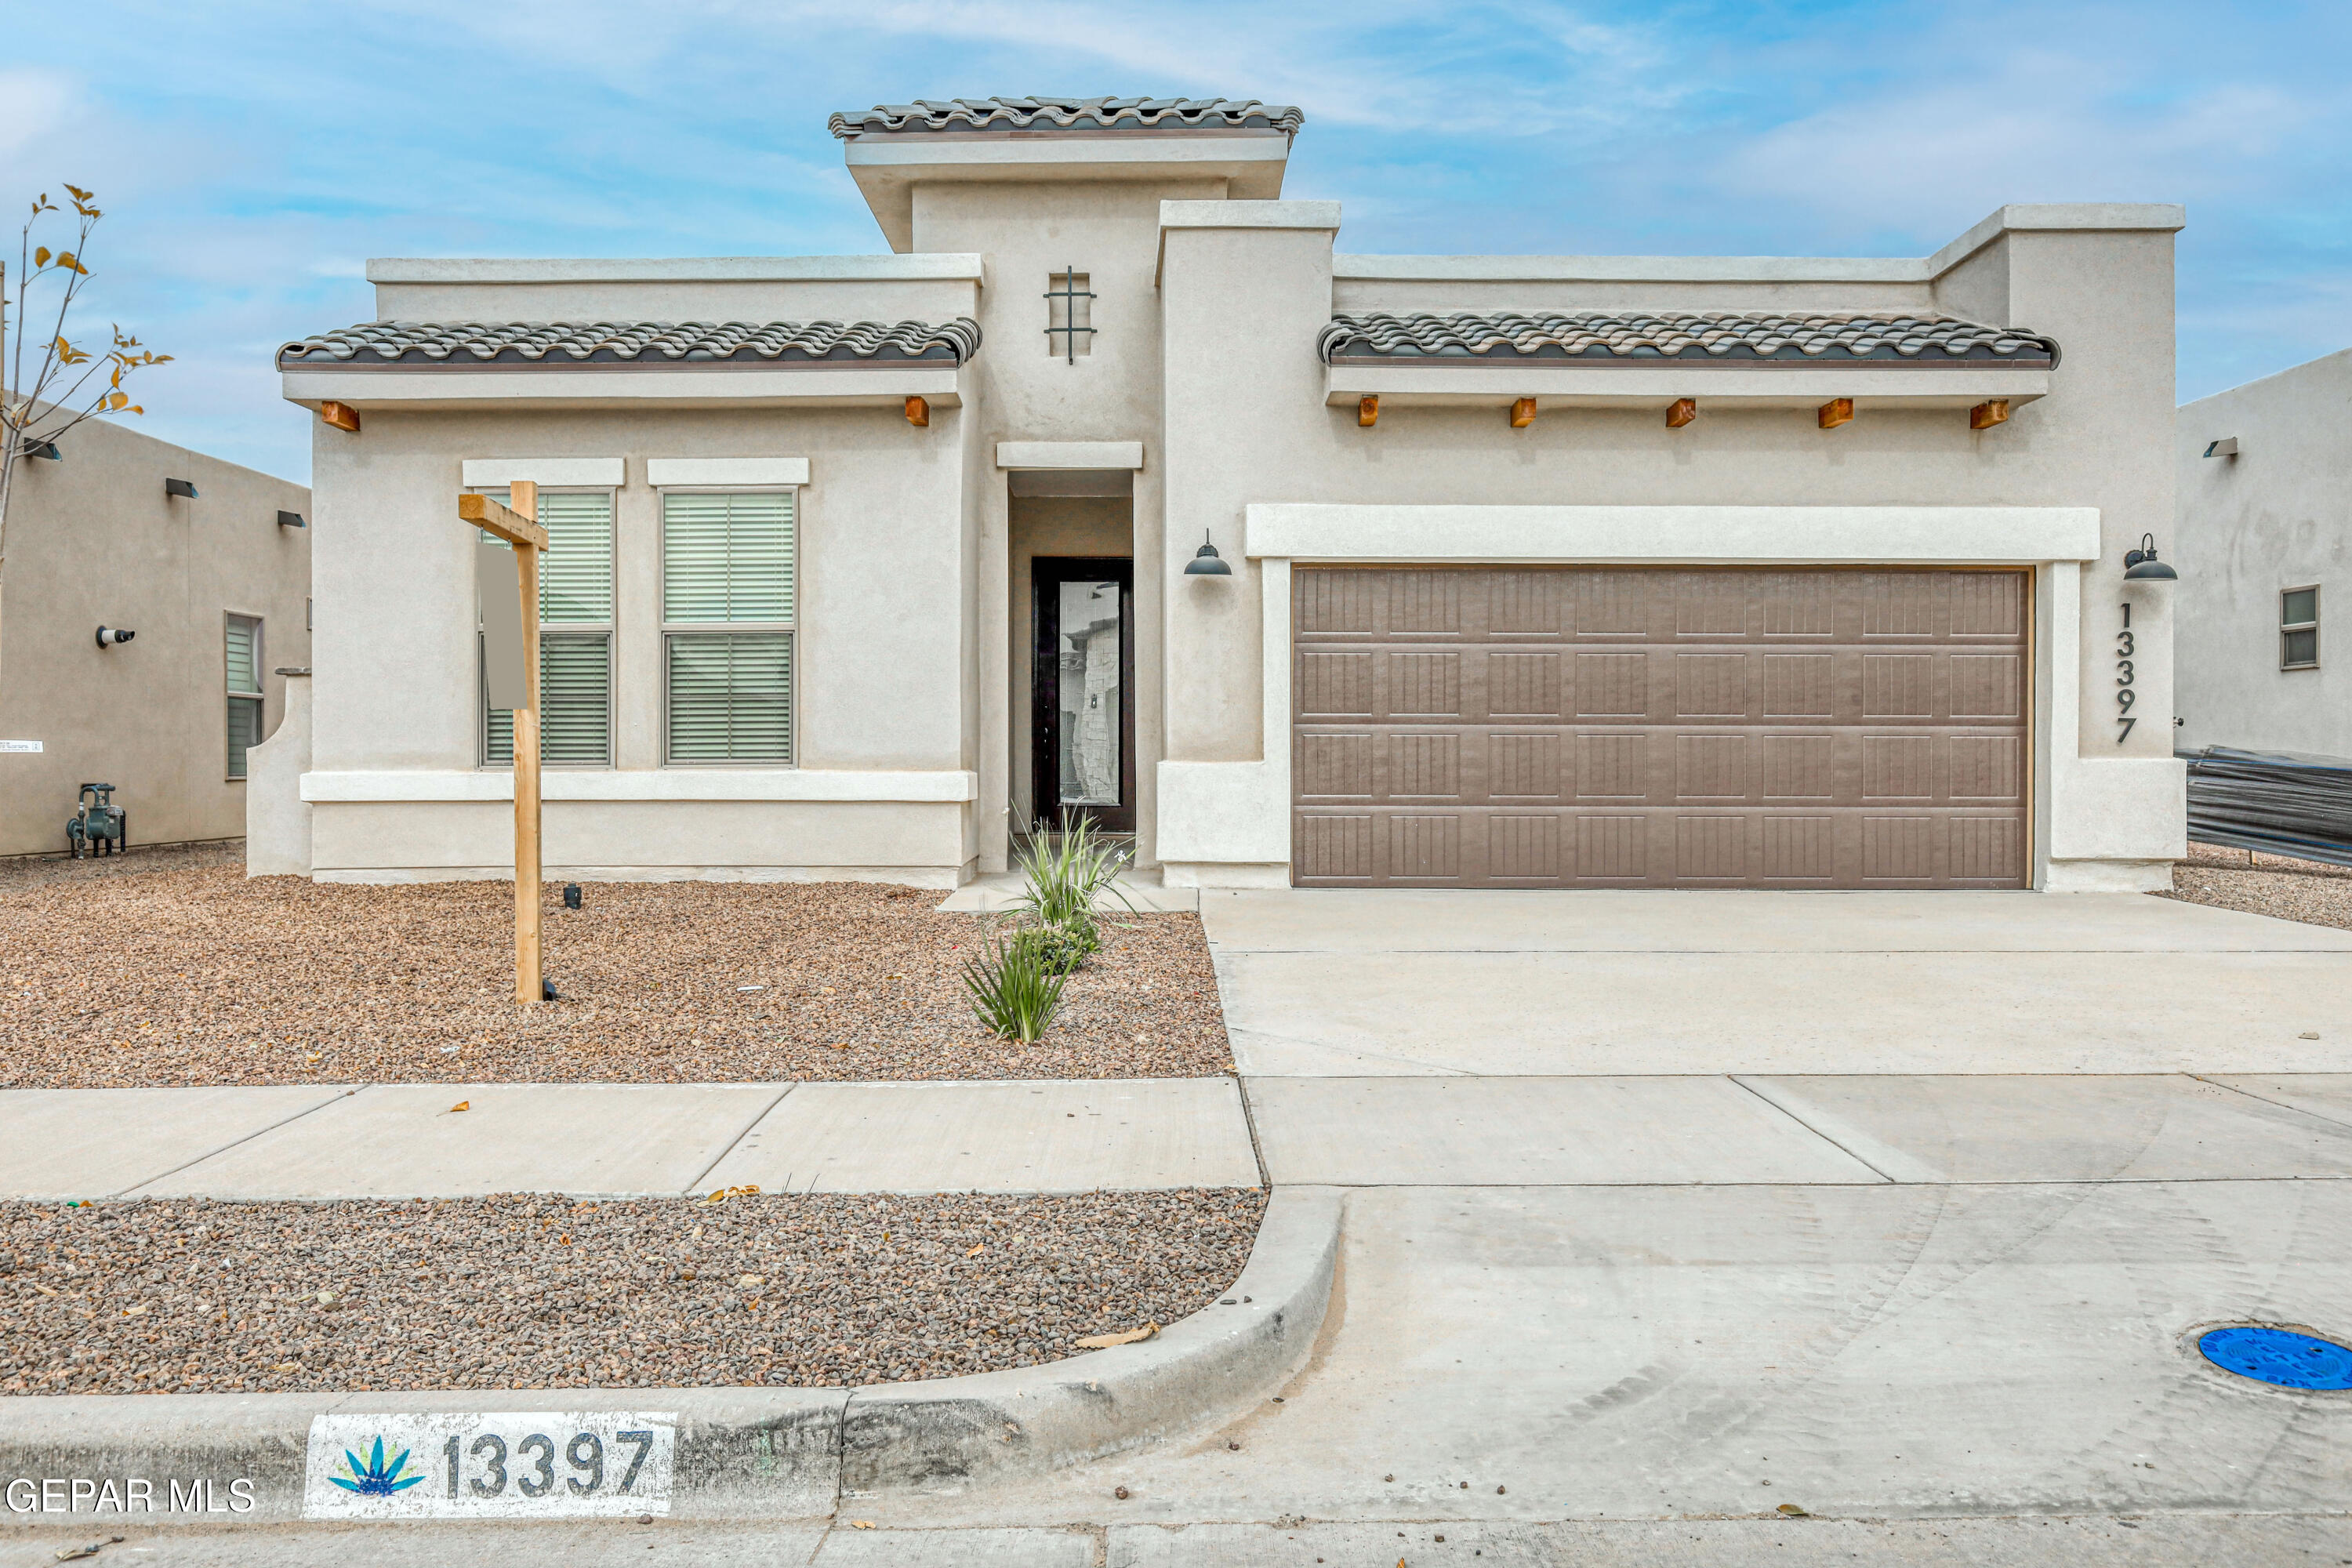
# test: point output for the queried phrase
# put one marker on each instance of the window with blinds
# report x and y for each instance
(244, 690)
(727, 625)
(575, 640)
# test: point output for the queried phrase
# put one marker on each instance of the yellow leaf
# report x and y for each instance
(1107, 1341)
(976, 1251)
(117, 399)
(861, 1524)
(79, 194)
(463, 1105)
(135, 408)
(41, 255)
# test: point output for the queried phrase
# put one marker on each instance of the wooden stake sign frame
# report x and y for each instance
(518, 526)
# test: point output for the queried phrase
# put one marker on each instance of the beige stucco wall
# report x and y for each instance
(92, 540)
(2276, 516)
(881, 584)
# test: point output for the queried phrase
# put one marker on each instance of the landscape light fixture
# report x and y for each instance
(1206, 562)
(2227, 447)
(291, 519)
(570, 895)
(2142, 566)
(184, 488)
(42, 449)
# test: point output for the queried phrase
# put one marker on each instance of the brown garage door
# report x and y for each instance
(1532, 727)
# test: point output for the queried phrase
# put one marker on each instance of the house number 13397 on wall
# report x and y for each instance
(2125, 644)
(551, 1463)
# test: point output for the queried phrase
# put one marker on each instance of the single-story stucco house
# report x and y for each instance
(1113, 488)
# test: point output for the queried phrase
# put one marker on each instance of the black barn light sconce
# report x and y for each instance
(1206, 562)
(2142, 566)
(291, 519)
(42, 449)
(185, 489)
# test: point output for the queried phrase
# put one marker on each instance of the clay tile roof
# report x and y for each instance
(666, 344)
(1638, 337)
(1071, 114)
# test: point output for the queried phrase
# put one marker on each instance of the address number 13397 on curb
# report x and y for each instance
(574, 1464)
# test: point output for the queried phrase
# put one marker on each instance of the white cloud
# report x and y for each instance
(33, 104)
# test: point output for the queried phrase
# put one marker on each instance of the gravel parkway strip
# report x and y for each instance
(169, 967)
(534, 1292)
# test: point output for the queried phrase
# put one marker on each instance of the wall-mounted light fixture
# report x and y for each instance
(2227, 447)
(1206, 562)
(42, 449)
(113, 636)
(291, 519)
(2142, 566)
(186, 489)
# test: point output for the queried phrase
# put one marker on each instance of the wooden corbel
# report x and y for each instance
(1837, 411)
(1683, 411)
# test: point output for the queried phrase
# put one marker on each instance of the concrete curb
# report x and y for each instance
(741, 1452)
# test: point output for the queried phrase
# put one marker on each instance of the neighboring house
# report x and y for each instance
(2265, 562)
(1539, 572)
(215, 587)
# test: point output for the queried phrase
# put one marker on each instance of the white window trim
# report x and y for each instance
(727, 473)
(2311, 626)
(666, 626)
(611, 629)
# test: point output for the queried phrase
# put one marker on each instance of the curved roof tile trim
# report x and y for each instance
(646, 343)
(927, 114)
(1617, 337)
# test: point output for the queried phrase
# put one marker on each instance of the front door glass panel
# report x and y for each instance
(1087, 698)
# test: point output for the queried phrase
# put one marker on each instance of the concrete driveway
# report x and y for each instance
(1663, 1208)
(1419, 981)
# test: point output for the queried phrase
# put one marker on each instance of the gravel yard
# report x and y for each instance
(2264, 884)
(541, 1292)
(169, 967)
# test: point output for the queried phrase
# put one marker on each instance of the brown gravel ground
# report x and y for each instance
(2264, 884)
(528, 1292)
(170, 967)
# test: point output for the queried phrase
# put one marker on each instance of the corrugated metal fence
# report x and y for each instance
(2273, 801)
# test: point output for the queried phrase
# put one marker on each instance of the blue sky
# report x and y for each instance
(251, 157)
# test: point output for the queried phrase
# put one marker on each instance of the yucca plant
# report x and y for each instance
(1014, 991)
(1066, 872)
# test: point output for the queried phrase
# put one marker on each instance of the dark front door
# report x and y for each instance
(1082, 720)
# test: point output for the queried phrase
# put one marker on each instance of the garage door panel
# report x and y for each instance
(1585, 727)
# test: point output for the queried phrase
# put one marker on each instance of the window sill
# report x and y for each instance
(697, 783)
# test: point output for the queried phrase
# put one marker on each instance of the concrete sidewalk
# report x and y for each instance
(382, 1141)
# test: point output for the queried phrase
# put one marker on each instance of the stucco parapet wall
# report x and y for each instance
(1823, 536)
(888, 168)
(938, 267)
(1270, 214)
(1085, 455)
(2091, 216)
(669, 784)
(432, 388)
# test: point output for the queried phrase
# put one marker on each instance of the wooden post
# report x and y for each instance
(518, 526)
(529, 988)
